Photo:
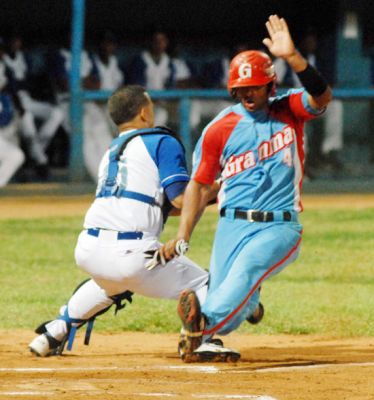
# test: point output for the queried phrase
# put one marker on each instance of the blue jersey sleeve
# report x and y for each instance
(171, 162)
(175, 189)
(168, 155)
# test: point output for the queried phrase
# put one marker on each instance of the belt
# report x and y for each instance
(258, 216)
(120, 235)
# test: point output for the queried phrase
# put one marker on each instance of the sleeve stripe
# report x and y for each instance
(181, 177)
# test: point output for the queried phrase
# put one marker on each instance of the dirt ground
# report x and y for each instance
(141, 365)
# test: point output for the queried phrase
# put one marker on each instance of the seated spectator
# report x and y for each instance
(60, 68)
(11, 155)
(100, 130)
(31, 109)
(185, 73)
(214, 76)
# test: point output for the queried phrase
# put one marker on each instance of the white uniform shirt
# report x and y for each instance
(182, 71)
(17, 65)
(86, 64)
(110, 75)
(147, 165)
(156, 74)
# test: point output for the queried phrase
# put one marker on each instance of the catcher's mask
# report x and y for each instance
(251, 68)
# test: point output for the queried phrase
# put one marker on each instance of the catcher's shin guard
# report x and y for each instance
(193, 325)
(74, 324)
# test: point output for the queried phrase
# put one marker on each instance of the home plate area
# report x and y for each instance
(139, 365)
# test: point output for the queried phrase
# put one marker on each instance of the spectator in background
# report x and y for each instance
(105, 60)
(214, 76)
(11, 155)
(185, 77)
(154, 70)
(184, 71)
(31, 109)
(60, 72)
(322, 146)
(99, 131)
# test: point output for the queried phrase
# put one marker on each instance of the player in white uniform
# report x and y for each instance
(155, 70)
(50, 114)
(215, 76)
(96, 135)
(142, 178)
(100, 130)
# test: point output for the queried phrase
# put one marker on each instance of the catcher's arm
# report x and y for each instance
(195, 199)
(177, 204)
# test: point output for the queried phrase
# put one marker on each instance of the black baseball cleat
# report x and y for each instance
(193, 325)
(257, 316)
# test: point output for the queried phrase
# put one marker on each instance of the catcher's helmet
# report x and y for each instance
(250, 68)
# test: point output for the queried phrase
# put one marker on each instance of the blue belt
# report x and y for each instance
(120, 235)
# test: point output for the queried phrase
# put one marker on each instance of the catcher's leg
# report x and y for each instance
(87, 302)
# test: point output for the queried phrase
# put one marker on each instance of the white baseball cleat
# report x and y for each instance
(212, 352)
(45, 345)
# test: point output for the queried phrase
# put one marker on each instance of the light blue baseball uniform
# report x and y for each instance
(260, 158)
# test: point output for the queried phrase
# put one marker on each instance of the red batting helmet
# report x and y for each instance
(250, 68)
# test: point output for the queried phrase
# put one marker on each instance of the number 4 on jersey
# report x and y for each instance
(287, 156)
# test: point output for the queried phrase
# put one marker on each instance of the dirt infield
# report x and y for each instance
(141, 366)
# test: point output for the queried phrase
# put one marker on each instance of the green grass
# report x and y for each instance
(329, 290)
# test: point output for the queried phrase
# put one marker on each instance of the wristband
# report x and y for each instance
(181, 247)
(313, 82)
